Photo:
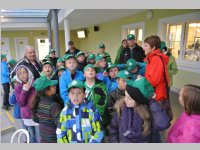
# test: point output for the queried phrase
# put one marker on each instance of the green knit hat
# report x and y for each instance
(91, 56)
(162, 45)
(89, 66)
(43, 82)
(47, 62)
(101, 45)
(3, 56)
(99, 57)
(12, 62)
(79, 53)
(110, 66)
(52, 51)
(124, 74)
(76, 84)
(68, 56)
(131, 37)
(60, 60)
(143, 85)
(131, 64)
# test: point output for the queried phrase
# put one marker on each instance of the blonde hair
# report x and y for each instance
(143, 112)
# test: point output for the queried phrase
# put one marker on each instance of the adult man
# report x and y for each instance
(72, 49)
(29, 61)
(132, 51)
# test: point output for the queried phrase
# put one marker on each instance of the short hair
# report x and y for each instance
(70, 43)
(191, 99)
(28, 47)
(153, 41)
(124, 40)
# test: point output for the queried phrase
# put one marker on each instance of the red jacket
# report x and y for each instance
(155, 73)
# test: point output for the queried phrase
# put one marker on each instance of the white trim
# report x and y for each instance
(185, 18)
(133, 25)
(7, 40)
(15, 39)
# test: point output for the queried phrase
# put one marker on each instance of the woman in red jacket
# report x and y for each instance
(157, 72)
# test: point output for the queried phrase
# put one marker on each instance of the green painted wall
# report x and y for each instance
(110, 32)
(31, 35)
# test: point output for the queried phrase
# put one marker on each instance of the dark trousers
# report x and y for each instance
(6, 89)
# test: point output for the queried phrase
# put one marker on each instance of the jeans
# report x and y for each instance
(34, 134)
(6, 89)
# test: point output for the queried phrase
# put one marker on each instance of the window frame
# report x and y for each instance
(133, 26)
(183, 64)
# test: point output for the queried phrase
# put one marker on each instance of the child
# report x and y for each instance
(11, 63)
(112, 70)
(79, 121)
(157, 72)
(24, 93)
(186, 128)
(46, 109)
(135, 68)
(105, 54)
(52, 57)
(60, 62)
(91, 59)
(5, 81)
(118, 93)
(61, 69)
(47, 69)
(70, 73)
(131, 122)
(101, 65)
(80, 56)
(96, 91)
(172, 66)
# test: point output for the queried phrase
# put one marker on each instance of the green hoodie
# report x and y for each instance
(118, 55)
(98, 94)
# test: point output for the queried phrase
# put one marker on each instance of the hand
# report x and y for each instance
(26, 86)
(154, 96)
(105, 73)
(139, 76)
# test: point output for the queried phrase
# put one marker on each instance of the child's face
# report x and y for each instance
(102, 63)
(71, 64)
(147, 48)
(23, 75)
(121, 83)
(134, 70)
(4, 59)
(102, 50)
(53, 54)
(81, 58)
(113, 72)
(51, 91)
(60, 72)
(59, 64)
(47, 69)
(90, 73)
(76, 95)
(129, 101)
(181, 97)
(91, 61)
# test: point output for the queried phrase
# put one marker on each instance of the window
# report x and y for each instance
(43, 47)
(173, 41)
(186, 42)
(192, 50)
(137, 29)
(138, 34)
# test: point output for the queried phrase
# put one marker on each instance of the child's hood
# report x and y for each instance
(30, 74)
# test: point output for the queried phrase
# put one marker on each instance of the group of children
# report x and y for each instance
(88, 99)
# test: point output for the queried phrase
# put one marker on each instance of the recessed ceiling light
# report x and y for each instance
(2, 16)
(3, 10)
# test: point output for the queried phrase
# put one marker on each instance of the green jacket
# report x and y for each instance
(118, 55)
(107, 56)
(172, 68)
(98, 94)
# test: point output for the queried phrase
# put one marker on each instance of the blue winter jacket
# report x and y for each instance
(16, 112)
(4, 73)
(112, 85)
(141, 70)
(65, 80)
